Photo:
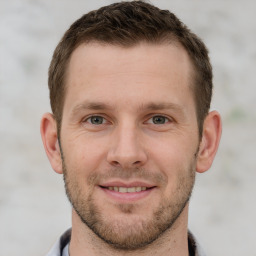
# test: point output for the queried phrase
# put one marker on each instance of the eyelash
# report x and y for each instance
(166, 119)
(104, 120)
(95, 116)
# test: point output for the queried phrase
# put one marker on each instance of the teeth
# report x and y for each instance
(133, 189)
(127, 190)
(138, 189)
(123, 190)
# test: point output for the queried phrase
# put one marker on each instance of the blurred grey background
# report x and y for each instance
(33, 208)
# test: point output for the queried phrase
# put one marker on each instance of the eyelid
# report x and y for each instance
(149, 117)
(170, 119)
(85, 120)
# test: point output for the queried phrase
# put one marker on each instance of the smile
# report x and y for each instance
(127, 190)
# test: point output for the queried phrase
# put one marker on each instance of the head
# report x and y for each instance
(130, 90)
(127, 24)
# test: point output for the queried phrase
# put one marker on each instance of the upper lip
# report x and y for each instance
(126, 184)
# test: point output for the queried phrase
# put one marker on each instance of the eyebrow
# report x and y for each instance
(161, 106)
(91, 106)
(143, 107)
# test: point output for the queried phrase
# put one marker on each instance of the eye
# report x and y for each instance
(96, 120)
(159, 120)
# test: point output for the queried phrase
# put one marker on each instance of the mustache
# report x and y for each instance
(126, 175)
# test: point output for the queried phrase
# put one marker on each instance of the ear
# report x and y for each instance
(49, 136)
(209, 142)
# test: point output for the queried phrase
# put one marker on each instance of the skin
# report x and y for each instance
(146, 134)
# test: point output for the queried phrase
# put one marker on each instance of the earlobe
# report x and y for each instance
(49, 136)
(209, 142)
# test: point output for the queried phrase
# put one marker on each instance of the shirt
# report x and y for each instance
(60, 248)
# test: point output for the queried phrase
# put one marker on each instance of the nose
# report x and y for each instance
(126, 150)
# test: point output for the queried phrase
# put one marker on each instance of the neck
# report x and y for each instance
(173, 242)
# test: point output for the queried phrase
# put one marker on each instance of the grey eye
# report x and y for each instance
(96, 120)
(159, 119)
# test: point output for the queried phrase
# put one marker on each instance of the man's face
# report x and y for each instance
(129, 139)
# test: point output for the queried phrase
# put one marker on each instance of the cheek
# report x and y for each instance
(173, 159)
(170, 153)
(82, 156)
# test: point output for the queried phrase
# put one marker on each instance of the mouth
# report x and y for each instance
(125, 193)
(127, 189)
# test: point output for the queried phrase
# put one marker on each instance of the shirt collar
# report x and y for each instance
(64, 240)
(60, 244)
(194, 245)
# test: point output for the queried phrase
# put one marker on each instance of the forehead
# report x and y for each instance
(97, 55)
(153, 70)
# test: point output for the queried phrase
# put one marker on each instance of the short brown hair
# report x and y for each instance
(127, 24)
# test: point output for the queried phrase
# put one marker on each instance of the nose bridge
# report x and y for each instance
(126, 150)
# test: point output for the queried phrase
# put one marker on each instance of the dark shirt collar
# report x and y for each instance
(194, 248)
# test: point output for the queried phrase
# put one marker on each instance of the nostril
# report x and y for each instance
(116, 163)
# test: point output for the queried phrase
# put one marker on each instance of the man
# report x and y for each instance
(130, 90)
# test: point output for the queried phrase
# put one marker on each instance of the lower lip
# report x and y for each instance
(127, 197)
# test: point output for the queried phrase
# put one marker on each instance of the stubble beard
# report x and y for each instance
(134, 233)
